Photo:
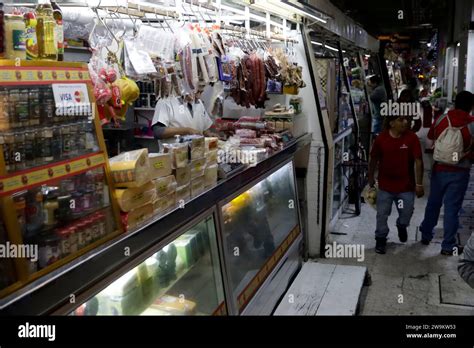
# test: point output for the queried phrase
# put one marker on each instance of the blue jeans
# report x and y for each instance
(377, 124)
(404, 202)
(450, 186)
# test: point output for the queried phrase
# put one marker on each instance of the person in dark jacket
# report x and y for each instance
(378, 95)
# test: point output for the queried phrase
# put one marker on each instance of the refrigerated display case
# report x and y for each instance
(183, 277)
(259, 226)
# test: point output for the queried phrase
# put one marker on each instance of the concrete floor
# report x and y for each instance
(406, 280)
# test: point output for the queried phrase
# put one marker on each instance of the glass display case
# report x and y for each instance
(259, 225)
(181, 278)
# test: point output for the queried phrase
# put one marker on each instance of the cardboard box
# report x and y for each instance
(160, 165)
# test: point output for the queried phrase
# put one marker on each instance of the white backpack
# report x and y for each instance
(449, 147)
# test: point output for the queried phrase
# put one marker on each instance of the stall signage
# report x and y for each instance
(72, 99)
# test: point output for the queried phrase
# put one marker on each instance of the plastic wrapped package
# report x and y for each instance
(246, 133)
(210, 175)
(160, 165)
(183, 193)
(137, 216)
(211, 157)
(134, 197)
(174, 305)
(197, 146)
(211, 144)
(183, 175)
(130, 169)
(257, 142)
(122, 297)
(197, 186)
(165, 185)
(197, 167)
(179, 154)
(164, 203)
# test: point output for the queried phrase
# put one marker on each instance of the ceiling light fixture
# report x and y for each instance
(295, 8)
(327, 46)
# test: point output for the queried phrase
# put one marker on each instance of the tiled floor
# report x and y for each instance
(405, 281)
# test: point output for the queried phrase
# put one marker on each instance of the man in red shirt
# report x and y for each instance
(396, 152)
(449, 182)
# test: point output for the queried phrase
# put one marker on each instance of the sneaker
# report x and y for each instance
(451, 252)
(381, 245)
(402, 233)
(425, 242)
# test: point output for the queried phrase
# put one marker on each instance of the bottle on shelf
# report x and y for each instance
(58, 17)
(46, 31)
(31, 40)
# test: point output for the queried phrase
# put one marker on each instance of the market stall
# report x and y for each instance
(208, 223)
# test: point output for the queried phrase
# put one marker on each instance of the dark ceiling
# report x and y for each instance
(381, 17)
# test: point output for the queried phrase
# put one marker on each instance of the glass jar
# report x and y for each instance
(50, 207)
(48, 249)
(19, 151)
(15, 29)
(30, 151)
(22, 109)
(46, 145)
(34, 106)
(63, 236)
(73, 240)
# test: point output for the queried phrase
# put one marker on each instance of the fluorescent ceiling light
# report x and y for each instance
(327, 46)
(296, 9)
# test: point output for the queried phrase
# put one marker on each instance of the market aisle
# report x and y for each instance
(412, 270)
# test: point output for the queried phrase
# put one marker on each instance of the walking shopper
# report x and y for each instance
(449, 181)
(377, 97)
(396, 152)
(466, 265)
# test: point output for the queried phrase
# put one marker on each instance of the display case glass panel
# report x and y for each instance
(182, 278)
(257, 223)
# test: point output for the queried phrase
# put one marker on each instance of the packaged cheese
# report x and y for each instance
(210, 175)
(211, 144)
(130, 169)
(165, 185)
(211, 157)
(174, 305)
(183, 175)
(134, 197)
(183, 193)
(179, 154)
(197, 145)
(160, 165)
(197, 167)
(197, 186)
(137, 216)
(164, 203)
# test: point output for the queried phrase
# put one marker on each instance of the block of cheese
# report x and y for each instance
(197, 186)
(210, 175)
(197, 167)
(165, 185)
(174, 305)
(164, 203)
(179, 154)
(197, 147)
(183, 175)
(212, 144)
(211, 157)
(134, 197)
(130, 169)
(183, 193)
(137, 216)
(160, 165)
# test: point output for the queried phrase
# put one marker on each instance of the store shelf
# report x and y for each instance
(25, 179)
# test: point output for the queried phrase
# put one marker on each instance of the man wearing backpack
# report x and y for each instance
(452, 133)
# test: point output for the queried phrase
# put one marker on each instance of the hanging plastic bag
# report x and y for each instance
(370, 196)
